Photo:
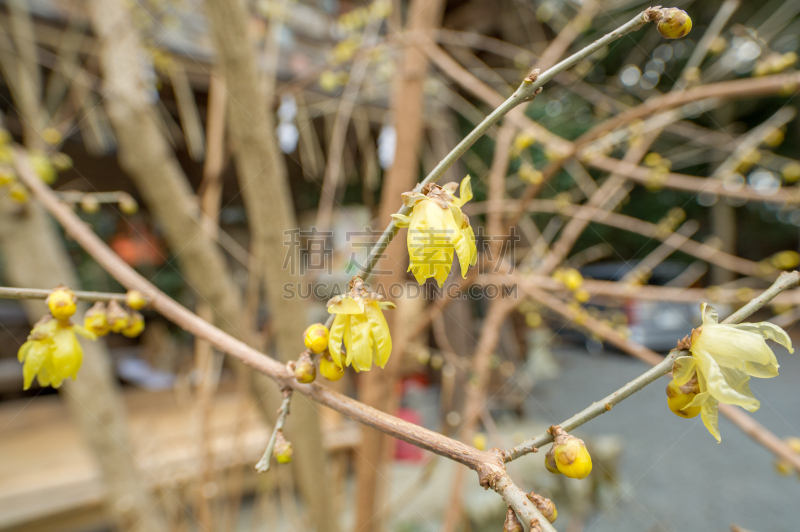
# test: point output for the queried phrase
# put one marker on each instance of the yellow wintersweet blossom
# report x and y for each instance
(52, 352)
(360, 324)
(724, 357)
(437, 229)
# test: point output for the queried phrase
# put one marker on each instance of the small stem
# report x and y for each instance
(263, 465)
(596, 408)
(524, 93)
(38, 293)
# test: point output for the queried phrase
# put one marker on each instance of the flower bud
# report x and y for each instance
(62, 303)
(678, 401)
(283, 449)
(673, 23)
(89, 204)
(571, 456)
(127, 204)
(329, 369)
(512, 523)
(550, 462)
(18, 193)
(135, 325)
(545, 506)
(135, 299)
(304, 369)
(316, 338)
(42, 167)
(96, 320)
(782, 466)
(480, 441)
(61, 161)
(117, 317)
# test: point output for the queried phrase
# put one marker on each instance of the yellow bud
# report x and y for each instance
(283, 449)
(89, 204)
(582, 295)
(62, 303)
(529, 174)
(135, 299)
(61, 161)
(19, 193)
(791, 172)
(51, 135)
(117, 317)
(785, 260)
(782, 466)
(550, 462)
(480, 441)
(572, 279)
(329, 369)
(533, 319)
(96, 320)
(127, 204)
(678, 401)
(304, 369)
(43, 167)
(6, 177)
(328, 81)
(774, 138)
(652, 159)
(674, 23)
(571, 456)
(316, 338)
(135, 325)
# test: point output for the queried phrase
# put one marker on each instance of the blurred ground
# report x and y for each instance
(674, 476)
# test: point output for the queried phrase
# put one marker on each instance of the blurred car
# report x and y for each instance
(657, 325)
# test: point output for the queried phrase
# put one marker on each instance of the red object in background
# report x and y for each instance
(138, 246)
(404, 451)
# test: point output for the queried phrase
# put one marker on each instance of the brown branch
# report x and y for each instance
(487, 464)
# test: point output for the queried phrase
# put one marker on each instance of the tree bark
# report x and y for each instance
(264, 185)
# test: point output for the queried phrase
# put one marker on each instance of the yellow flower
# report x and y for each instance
(360, 324)
(52, 352)
(570, 455)
(724, 357)
(62, 302)
(437, 229)
(678, 399)
(96, 320)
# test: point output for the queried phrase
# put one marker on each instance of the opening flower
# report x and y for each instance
(437, 229)
(52, 352)
(360, 324)
(724, 357)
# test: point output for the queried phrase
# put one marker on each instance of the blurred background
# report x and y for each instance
(243, 155)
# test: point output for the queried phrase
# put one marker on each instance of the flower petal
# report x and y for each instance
(699, 400)
(769, 331)
(464, 252)
(466, 191)
(380, 333)
(709, 412)
(336, 336)
(732, 347)
(401, 220)
(410, 199)
(683, 369)
(359, 347)
(346, 305)
(719, 388)
(709, 314)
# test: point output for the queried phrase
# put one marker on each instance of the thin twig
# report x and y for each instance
(786, 281)
(37, 293)
(263, 465)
